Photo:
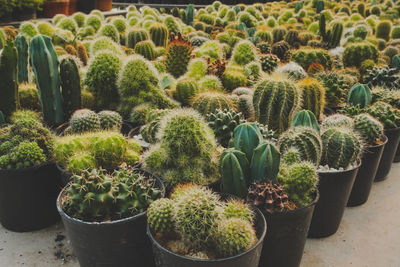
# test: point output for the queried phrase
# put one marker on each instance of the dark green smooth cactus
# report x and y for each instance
(359, 94)
(45, 66)
(9, 83)
(305, 118)
(71, 86)
(22, 47)
(247, 137)
(223, 123)
(265, 163)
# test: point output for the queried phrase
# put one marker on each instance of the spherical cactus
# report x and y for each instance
(146, 49)
(159, 34)
(94, 22)
(337, 120)
(234, 236)
(104, 43)
(305, 118)
(243, 53)
(275, 101)
(84, 120)
(281, 50)
(135, 36)
(110, 31)
(79, 18)
(27, 154)
(81, 161)
(28, 29)
(196, 214)
(305, 57)
(233, 78)
(223, 122)
(299, 181)
(356, 53)
(359, 94)
(278, 34)
(209, 102)
(268, 197)
(383, 30)
(172, 25)
(236, 208)
(185, 90)
(210, 83)
(263, 47)
(110, 120)
(341, 147)
(197, 68)
(68, 24)
(306, 140)
(269, 62)
(368, 127)
(109, 149)
(29, 97)
(160, 216)
(313, 96)
(291, 156)
(177, 56)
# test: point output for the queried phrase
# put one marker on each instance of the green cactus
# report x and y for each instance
(341, 147)
(292, 38)
(190, 14)
(243, 53)
(335, 34)
(234, 236)
(185, 90)
(197, 69)
(146, 49)
(9, 82)
(337, 120)
(279, 34)
(84, 120)
(359, 94)
(122, 194)
(265, 163)
(109, 149)
(305, 57)
(209, 102)
(150, 130)
(386, 114)
(172, 25)
(306, 140)
(210, 83)
(383, 76)
(22, 48)
(25, 115)
(237, 208)
(110, 31)
(247, 137)
(177, 56)
(104, 43)
(313, 96)
(368, 127)
(356, 53)
(81, 160)
(305, 118)
(275, 101)
(244, 104)
(160, 216)
(282, 50)
(159, 34)
(45, 64)
(269, 62)
(335, 88)
(68, 24)
(28, 29)
(135, 36)
(383, 30)
(223, 123)
(299, 182)
(71, 86)
(233, 78)
(291, 156)
(110, 120)
(79, 18)
(26, 154)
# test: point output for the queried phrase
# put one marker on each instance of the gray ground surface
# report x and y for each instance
(368, 236)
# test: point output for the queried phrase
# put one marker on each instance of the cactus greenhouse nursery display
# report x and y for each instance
(215, 135)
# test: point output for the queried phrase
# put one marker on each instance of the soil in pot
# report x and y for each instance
(27, 197)
(388, 155)
(116, 243)
(366, 174)
(163, 257)
(286, 237)
(334, 190)
(52, 8)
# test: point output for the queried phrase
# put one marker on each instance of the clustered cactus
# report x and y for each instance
(223, 122)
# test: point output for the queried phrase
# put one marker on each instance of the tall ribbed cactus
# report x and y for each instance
(305, 140)
(146, 49)
(335, 34)
(134, 36)
(341, 147)
(8, 79)
(359, 94)
(159, 34)
(265, 163)
(22, 48)
(247, 136)
(275, 101)
(178, 56)
(71, 86)
(185, 90)
(189, 14)
(313, 96)
(45, 66)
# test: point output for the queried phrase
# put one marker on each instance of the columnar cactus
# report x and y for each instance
(313, 96)
(9, 81)
(135, 36)
(22, 48)
(178, 55)
(368, 127)
(185, 90)
(359, 94)
(341, 147)
(383, 30)
(146, 49)
(305, 118)
(265, 163)
(275, 101)
(45, 66)
(247, 137)
(82, 53)
(306, 140)
(159, 34)
(71, 86)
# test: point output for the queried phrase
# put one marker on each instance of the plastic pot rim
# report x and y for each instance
(260, 240)
(384, 139)
(79, 221)
(347, 170)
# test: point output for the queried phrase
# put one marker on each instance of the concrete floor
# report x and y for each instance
(369, 236)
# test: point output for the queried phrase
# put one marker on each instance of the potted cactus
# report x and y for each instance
(337, 172)
(29, 179)
(104, 214)
(54, 7)
(284, 190)
(196, 227)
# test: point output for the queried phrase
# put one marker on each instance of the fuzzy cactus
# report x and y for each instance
(209, 102)
(79, 161)
(359, 94)
(9, 81)
(337, 120)
(160, 216)
(233, 78)
(24, 155)
(305, 118)
(368, 127)
(135, 36)
(110, 120)
(159, 34)
(29, 97)
(22, 46)
(341, 147)
(306, 140)
(178, 55)
(313, 96)
(355, 54)
(282, 50)
(275, 101)
(185, 90)
(110, 31)
(383, 30)
(146, 49)
(244, 53)
(223, 123)
(82, 53)
(150, 130)
(84, 120)
(237, 208)
(305, 57)
(71, 86)
(44, 63)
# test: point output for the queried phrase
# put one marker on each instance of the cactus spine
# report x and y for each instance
(159, 34)
(313, 96)
(359, 94)
(22, 48)
(45, 66)
(368, 127)
(185, 90)
(71, 86)
(8, 84)
(135, 36)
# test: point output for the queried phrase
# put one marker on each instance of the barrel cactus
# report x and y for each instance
(337, 120)
(146, 49)
(135, 36)
(359, 94)
(305, 118)
(313, 96)
(160, 216)
(368, 127)
(84, 120)
(110, 120)
(177, 56)
(159, 34)
(185, 90)
(209, 102)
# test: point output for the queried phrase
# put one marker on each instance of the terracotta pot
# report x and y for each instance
(104, 5)
(72, 6)
(51, 9)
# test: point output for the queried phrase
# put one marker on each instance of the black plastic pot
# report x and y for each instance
(366, 174)
(86, 5)
(397, 156)
(27, 197)
(65, 176)
(389, 152)
(165, 258)
(287, 235)
(334, 190)
(119, 243)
